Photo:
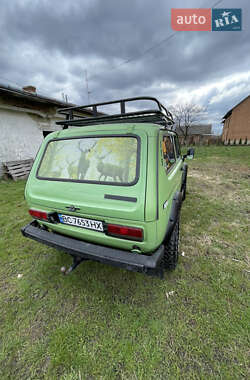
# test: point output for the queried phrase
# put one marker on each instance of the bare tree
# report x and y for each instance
(186, 115)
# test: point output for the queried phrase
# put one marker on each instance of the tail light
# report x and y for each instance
(125, 232)
(39, 214)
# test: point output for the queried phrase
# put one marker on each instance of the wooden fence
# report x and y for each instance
(201, 140)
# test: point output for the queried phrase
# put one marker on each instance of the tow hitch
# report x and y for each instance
(76, 261)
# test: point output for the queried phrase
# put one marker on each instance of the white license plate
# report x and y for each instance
(81, 222)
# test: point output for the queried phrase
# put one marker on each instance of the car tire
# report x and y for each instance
(171, 251)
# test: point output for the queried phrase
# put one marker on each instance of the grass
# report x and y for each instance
(102, 322)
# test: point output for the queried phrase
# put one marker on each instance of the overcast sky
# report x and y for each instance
(128, 49)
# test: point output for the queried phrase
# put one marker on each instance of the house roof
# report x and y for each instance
(199, 129)
(35, 97)
(230, 111)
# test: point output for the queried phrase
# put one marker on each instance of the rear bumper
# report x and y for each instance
(124, 259)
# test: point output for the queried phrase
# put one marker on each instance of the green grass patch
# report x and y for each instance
(102, 322)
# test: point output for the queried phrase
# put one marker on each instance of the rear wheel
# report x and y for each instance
(171, 251)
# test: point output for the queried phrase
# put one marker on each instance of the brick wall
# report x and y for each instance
(237, 126)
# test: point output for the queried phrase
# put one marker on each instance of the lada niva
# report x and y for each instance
(109, 188)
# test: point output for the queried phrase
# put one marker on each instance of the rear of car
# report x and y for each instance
(97, 186)
(102, 191)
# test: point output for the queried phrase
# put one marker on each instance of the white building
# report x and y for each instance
(25, 119)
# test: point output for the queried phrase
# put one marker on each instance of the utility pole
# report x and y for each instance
(87, 85)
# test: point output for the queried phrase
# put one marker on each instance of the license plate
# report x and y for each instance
(81, 222)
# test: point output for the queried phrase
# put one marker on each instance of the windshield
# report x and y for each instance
(91, 159)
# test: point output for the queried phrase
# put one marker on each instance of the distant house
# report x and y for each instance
(197, 130)
(195, 133)
(236, 122)
(25, 119)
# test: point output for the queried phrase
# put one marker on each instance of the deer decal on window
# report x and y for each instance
(109, 170)
(71, 168)
(84, 162)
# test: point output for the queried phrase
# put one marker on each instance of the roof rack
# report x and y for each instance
(73, 115)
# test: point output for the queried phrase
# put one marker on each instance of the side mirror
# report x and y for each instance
(190, 154)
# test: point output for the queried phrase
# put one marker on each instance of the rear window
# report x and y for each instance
(91, 159)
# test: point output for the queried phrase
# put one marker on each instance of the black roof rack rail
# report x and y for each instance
(73, 115)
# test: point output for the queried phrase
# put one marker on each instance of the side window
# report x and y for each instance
(177, 147)
(168, 152)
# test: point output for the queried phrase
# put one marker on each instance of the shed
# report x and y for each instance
(197, 134)
(197, 130)
(26, 117)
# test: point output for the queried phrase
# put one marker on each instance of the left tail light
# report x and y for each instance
(37, 214)
(125, 232)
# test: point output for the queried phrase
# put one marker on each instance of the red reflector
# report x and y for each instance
(38, 214)
(122, 231)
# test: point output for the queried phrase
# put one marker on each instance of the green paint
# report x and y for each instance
(97, 155)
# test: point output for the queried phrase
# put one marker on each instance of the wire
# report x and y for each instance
(137, 56)
(148, 50)
(218, 2)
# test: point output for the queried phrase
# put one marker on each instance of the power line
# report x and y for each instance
(137, 56)
(218, 2)
(143, 53)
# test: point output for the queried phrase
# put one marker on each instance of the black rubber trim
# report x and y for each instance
(120, 198)
(157, 175)
(174, 215)
(184, 176)
(124, 259)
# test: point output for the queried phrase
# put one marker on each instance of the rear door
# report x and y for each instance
(101, 176)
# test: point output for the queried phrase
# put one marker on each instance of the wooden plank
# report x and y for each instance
(18, 166)
(19, 172)
(21, 165)
(17, 162)
(27, 162)
(24, 164)
(16, 178)
(26, 167)
(21, 175)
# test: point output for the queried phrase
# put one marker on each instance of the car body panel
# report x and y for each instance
(151, 195)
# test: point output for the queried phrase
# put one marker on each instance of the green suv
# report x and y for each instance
(109, 188)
